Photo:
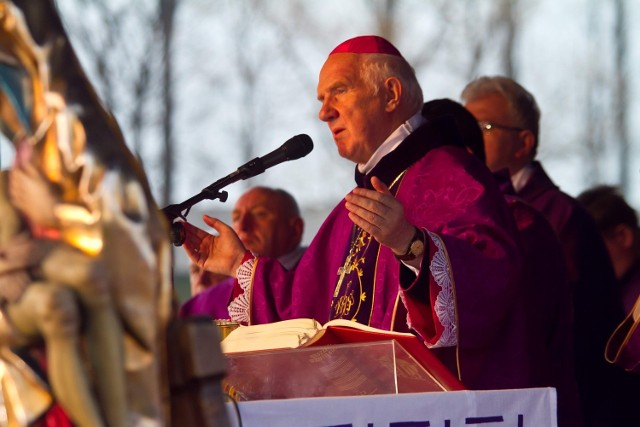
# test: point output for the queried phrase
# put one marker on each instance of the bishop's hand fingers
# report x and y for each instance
(381, 215)
(226, 250)
(376, 209)
(196, 244)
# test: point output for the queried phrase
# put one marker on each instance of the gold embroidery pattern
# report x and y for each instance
(342, 305)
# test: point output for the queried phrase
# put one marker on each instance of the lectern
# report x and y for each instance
(343, 362)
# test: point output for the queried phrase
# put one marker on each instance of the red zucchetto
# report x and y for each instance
(366, 44)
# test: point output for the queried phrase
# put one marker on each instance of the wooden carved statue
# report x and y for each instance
(84, 251)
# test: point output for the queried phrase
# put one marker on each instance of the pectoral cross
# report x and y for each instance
(343, 271)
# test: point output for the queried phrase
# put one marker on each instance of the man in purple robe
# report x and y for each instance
(509, 117)
(425, 242)
(269, 224)
(548, 297)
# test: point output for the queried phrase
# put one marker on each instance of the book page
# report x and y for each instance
(360, 326)
(284, 334)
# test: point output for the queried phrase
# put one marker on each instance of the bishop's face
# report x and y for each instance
(355, 115)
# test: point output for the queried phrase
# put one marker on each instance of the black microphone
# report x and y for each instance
(295, 148)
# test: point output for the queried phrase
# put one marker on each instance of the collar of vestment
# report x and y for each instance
(432, 134)
(392, 141)
(520, 178)
(537, 184)
(290, 259)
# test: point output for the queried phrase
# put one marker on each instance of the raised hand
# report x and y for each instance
(379, 213)
(219, 254)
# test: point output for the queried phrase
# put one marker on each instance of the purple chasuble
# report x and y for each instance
(211, 302)
(464, 301)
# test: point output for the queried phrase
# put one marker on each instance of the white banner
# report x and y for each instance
(496, 408)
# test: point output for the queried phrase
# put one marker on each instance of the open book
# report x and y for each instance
(292, 333)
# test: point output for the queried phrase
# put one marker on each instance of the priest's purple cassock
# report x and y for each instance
(468, 301)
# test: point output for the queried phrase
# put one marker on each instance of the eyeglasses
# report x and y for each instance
(488, 126)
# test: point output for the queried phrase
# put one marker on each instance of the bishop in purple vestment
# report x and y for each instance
(425, 242)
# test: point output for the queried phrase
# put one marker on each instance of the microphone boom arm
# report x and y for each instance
(294, 148)
(212, 192)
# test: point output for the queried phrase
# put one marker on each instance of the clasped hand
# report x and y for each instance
(379, 213)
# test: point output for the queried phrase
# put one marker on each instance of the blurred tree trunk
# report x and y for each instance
(474, 35)
(248, 71)
(141, 89)
(506, 19)
(621, 88)
(167, 19)
(595, 100)
(385, 13)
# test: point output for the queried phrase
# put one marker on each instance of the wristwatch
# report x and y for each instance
(415, 249)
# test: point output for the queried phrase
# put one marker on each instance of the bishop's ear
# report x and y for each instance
(393, 92)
